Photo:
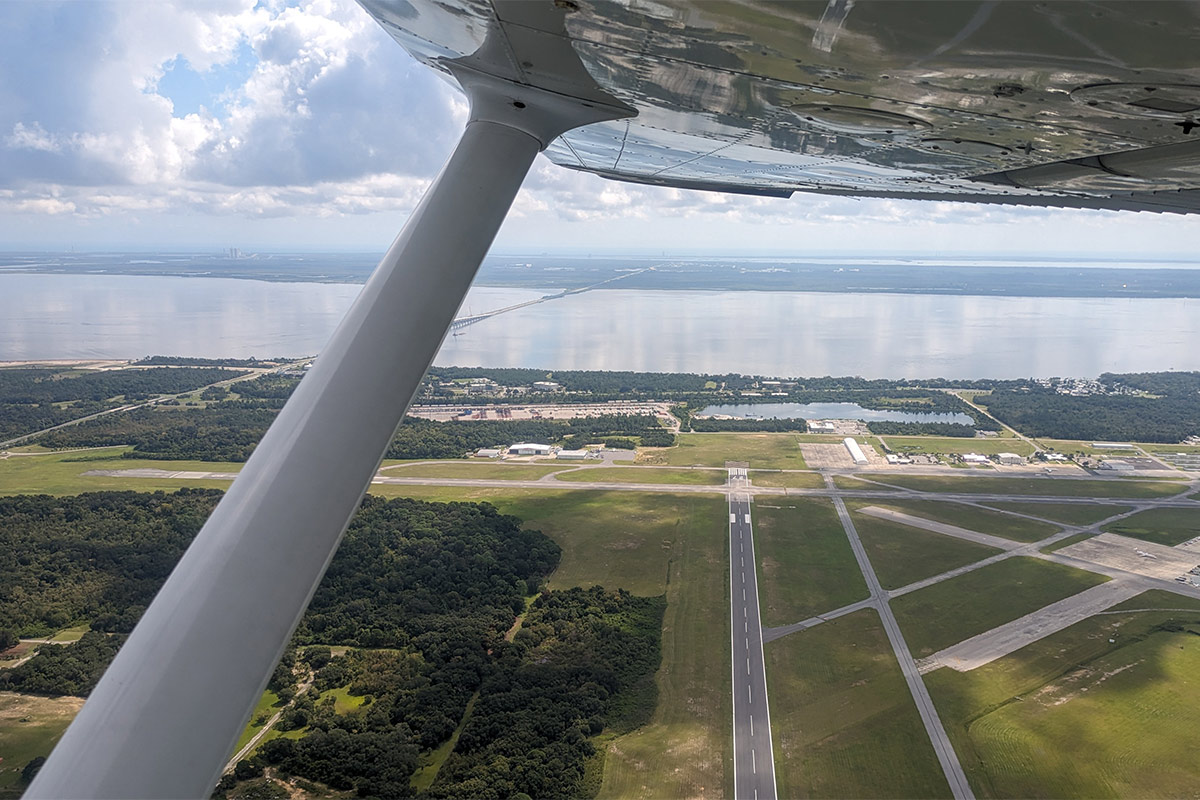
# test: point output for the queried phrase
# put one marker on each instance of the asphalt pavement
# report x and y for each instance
(753, 758)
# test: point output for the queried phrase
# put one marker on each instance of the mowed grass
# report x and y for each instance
(901, 554)
(1169, 526)
(30, 726)
(761, 450)
(842, 720)
(1066, 513)
(1075, 715)
(268, 704)
(1045, 486)
(957, 609)
(972, 518)
(790, 480)
(851, 482)
(956, 444)
(472, 469)
(61, 473)
(694, 477)
(805, 563)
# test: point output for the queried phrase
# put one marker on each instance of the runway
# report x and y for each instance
(753, 758)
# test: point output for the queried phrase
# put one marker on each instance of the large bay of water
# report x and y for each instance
(777, 333)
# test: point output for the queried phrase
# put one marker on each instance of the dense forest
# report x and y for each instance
(881, 428)
(224, 431)
(34, 399)
(229, 431)
(1170, 413)
(583, 661)
(97, 557)
(59, 669)
(704, 425)
(421, 594)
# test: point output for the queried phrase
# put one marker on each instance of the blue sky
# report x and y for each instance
(302, 125)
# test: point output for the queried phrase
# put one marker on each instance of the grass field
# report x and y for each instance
(1169, 526)
(762, 450)
(473, 469)
(850, 482)
(1066, 513)
(267, 706)
(805, 563)
(956, 444)
(695, 477)
(1075, 715)
(971, 484)
(842, 720)
(959, 608)
(790, 480)
(972, 518)
(62, 472)
(29, 727)
(901, 554)
(1170, 448)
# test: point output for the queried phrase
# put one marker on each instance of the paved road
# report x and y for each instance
(753, 758)
(933, 724)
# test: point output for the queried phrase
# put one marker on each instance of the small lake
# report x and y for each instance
(830, 411)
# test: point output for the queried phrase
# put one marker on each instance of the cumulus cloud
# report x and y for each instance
(331, 111)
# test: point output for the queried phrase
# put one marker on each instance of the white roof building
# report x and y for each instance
(528, 449)
(487, 452)
(1010, 459)
(572, 455)
(974, 458)
(856, 452)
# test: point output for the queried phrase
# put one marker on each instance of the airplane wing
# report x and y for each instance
(1073, 104)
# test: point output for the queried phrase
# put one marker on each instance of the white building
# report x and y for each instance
(546, 386)
(1112, 446)
(1055, 457)
(892, 458)
(820, 426)
(487, 453)
(974, 458)
(572, 455)
(1010, 459)
(856, 452)
(527, 449)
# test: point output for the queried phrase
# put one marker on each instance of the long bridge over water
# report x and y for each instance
(462, 322)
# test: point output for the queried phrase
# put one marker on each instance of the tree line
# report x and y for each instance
(34, 399)
(1169, 418)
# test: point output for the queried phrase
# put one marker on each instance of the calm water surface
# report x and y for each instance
(785, 334)
(831, 411)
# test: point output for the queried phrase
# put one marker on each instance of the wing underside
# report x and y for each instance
(1073, 104)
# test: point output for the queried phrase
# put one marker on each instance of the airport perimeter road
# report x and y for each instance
(933, 723)
(753, 759)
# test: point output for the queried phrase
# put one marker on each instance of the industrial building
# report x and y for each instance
(546, 386)
(820, 426)
(527, 449)
(572, 455)
(1009, 459)
(856, 452)
(1112, 446)
(975, 458)
(487, 452)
